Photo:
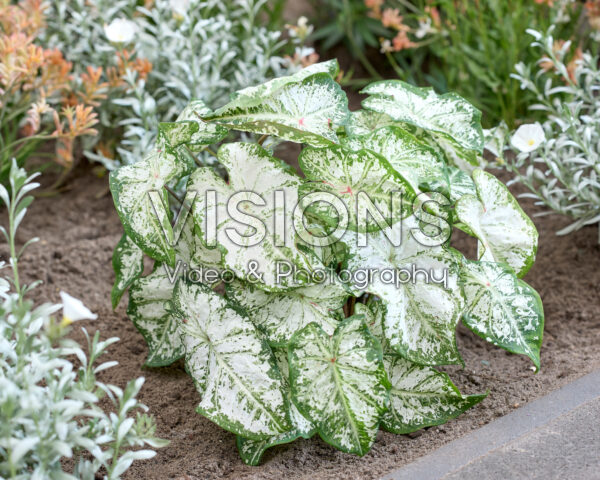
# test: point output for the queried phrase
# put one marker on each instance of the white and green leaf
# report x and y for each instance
(505, 233)
(131, 186)
(128, 264)
(421, 397)
(503, 309)
(149, 309)
(256, 94)
(364, 122)
(356, 178)
(251, 451)
(251, 169)
(414, 160)
(339, 383)
(190, 129)
(150, 296)
(449, 115)
(422, 309)
(280, 315)
(306, 111)
(231, 363)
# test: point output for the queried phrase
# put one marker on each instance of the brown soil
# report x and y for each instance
(79, 232)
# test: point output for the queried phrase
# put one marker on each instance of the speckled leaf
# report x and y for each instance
(257, 93)
(363, 122)
(415, 161)
(280, 315)
(346, 173)
(461, 184)
(374, 315)
(190, 129)
(421, 314)
(149, 299)
(130, 186)
(503, 309)
(231, 363)
(449, 114)
(339, 383)
(328, 254)
(251, 451)
(506, 234)
(421, 397)
(150, 296)
(251, 168)
(307, 111)
(128, 264)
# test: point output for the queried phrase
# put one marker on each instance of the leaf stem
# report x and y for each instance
(173, 194)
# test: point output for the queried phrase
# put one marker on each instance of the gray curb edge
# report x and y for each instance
(462, 451)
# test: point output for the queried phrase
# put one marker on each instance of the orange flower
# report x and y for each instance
(573, 64)
(374, 7)
(401, 42)
(304, 57)
(434, 13)
(391, 18)
(93, 89)
(593, 12)
(142, 66)
(34, 115)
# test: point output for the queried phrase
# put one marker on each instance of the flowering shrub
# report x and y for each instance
(49, 407)
(559, 159)
(456, 45)
(324, 325)
(36, 85)
(159, 56)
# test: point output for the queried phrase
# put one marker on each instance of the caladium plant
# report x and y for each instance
(321, 301)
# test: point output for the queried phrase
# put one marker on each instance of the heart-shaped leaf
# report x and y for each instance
(256, 94)
(449, 115)
(149, 310)
(128, 264)
(150, 296)
(306, 111)
(251, 169)
(461, 184)
(131, 188)
(503, 309)
(251, 451)
(421, 397)
(363, 122)
(415, 161)
(356, 178)
(419, 286)
(280, 315)
(231, 364)
(506, 234)
(339, 384)
(190, 129)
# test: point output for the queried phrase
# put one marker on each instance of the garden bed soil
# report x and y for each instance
(79, 230)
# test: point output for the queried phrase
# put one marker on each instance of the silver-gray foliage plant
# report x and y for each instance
(199, 49)
(563, 172)
(50, 409)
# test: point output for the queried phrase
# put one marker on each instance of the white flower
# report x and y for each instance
(528, 137)
(74, 310)
(424, 28)
(386, 46)
(120, 30)
(179, 7)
